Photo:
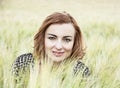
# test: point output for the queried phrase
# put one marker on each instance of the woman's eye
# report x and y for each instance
(51, 38)
(67, 40)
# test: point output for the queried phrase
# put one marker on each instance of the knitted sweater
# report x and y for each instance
(24, 61)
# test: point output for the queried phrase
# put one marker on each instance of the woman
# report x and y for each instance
(59, 38)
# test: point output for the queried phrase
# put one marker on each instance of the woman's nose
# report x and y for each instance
(58, 45)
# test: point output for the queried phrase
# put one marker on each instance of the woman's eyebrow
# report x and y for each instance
(52, 35)
(67, 36)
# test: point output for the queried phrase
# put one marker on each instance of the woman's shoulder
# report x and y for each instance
(22, 62)
(80, 67)
(28, 57)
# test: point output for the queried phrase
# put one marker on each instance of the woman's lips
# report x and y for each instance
(57, 53)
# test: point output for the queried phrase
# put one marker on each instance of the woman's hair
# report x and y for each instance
(59, 18)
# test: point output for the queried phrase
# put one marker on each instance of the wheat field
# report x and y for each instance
(99, 21)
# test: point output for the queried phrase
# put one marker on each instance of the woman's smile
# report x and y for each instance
(57, 53)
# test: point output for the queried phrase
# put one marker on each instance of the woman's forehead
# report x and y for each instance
(61, 29)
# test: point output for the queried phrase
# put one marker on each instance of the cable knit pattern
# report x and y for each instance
(22, 63)
(80, 67)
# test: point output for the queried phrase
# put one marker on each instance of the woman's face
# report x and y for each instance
(59, 40)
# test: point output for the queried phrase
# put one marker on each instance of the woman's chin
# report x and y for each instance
(57, 59)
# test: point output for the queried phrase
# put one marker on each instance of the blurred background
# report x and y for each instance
(83, 10)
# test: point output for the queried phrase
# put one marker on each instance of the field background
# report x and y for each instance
(99, 21)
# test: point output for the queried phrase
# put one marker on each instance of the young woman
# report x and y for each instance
(59, 39)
